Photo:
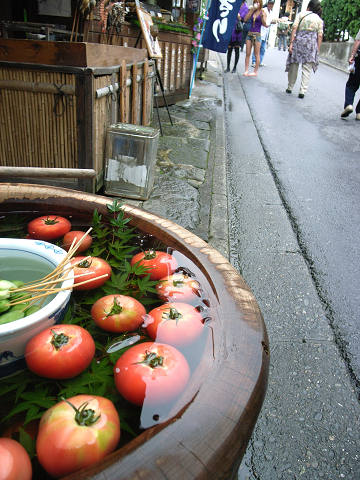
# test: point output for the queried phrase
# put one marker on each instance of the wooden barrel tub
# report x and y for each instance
(207, 432)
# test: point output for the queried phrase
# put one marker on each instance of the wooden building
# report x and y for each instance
(67, 73)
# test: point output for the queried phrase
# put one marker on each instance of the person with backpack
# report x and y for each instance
(306, 38)
(282, 31)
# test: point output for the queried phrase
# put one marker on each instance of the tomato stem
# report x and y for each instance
(152, 360)
(172, 314)
(51, 221)
(149, 254)
(115, 309)
(84, 264)
(83, 416)
(59, 339)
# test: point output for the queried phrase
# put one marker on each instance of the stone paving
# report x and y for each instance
(190, 175)
(308, 426)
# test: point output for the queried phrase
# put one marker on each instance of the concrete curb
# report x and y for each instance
(219, 225)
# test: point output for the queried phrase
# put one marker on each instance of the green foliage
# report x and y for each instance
(112, 237)
(172, 27)
(114, 241)
(128, 282)
(30, 395)
(165, 26)
(27, 442)
(341, 18)
(27, 396)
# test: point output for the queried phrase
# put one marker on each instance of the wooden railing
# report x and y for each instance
(174, 66)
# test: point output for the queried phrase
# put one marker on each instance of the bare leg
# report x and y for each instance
(247, 57)
(257, 56)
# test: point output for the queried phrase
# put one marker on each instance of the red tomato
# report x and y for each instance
(118, 313)
(178, 288)
(15, 462)
(48, 227)
(175, 323)
(154, 373)
(91, 268)
(77, 235)
(159, 264)
(60, 351)
(75, 436)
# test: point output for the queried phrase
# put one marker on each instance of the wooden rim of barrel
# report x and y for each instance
(208, 437)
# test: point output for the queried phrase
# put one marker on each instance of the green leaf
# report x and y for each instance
(7, 388)
(27, 396)
(27, 442)
(126, 427)
(33, 413)
(19, 408)
(36, 399)
(114, 207)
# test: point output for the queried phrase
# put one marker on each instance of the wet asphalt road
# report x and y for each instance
(293, 186)
(315, 158)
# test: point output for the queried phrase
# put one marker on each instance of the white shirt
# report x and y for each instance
(265, 30)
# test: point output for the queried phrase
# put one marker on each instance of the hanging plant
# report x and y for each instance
(197, 33)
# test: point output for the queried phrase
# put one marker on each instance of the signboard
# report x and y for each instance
(218, 29)
(146, 25)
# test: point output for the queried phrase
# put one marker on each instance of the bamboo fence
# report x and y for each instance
(57, 117)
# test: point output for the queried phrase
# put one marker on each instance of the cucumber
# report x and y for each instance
(20, 306)
(15, 297)
(4, 306)
(11, 316)
(5, 285)
(4, 294)
(32, 309)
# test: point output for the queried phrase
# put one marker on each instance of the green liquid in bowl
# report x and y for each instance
(24, 266)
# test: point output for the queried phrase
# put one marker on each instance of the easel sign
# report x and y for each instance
(146, 23)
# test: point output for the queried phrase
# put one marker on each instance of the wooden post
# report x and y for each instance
(85, 126)
(134, 95)
(114, 101)
(123, 91)
(145, 91)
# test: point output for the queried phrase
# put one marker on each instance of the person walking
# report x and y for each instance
(282, 31)
(305, 42)
(253, 39)
(353, 83)
(265, 31)
(237, 38)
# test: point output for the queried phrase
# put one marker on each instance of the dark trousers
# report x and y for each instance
(237, 54)
(352, 85)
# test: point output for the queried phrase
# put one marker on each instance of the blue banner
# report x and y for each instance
(222, 18)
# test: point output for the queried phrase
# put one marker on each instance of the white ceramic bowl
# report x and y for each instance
(28, 255)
